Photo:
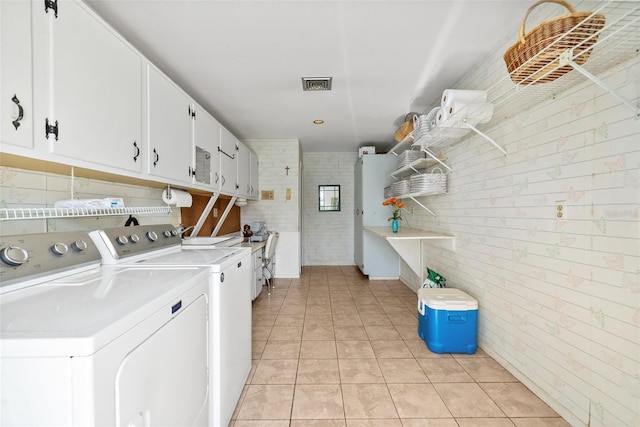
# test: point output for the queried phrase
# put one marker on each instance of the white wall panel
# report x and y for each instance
(559, 300)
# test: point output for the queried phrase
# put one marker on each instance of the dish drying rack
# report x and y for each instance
(618, 41)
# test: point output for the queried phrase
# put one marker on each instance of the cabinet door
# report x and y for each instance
(16, 104)
(228, 163)
(169, 128)
(206, 139)
(244, 170)
(255, 181)
(95, 90)
(358, 230)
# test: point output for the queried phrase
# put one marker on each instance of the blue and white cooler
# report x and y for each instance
(448, 320)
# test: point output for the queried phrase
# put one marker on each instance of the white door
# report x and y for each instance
(95, 91)
(357, 244)
(206, 139)
(164, 380)
(169, 128)
(228, 162)
(255, 181)
(16, 104)
(244, 170)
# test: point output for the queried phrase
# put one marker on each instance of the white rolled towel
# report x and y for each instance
(83, 204)
(178, 198)
(452, 115)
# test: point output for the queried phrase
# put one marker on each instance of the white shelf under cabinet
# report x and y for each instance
(408, 243)
(8, 214)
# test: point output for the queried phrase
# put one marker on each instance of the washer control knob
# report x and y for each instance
(59, 249)
(174, 232)
(134, 238)
(14, 255)
(122, 240)
(166, 233)
(152, 236)
(79, 245)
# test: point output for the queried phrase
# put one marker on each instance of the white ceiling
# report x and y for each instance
(243, 60)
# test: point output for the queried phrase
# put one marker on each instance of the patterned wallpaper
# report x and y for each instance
(22, 188)
(559, 299)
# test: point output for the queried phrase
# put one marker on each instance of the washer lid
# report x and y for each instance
(79, 314)
(215, 258)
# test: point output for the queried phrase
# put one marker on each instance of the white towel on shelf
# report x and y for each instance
(83, 204)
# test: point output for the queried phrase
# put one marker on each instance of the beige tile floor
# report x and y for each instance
(334, 349)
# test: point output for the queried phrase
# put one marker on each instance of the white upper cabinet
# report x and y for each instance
(169, 129)
(16, 104)
(244, 171)
(94, 90)
(206, 139)
(255, 183)
(228, 163)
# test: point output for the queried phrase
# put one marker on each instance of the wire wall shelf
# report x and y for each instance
(617, 42)
(8, 214)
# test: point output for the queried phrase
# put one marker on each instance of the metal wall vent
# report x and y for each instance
(316, 83)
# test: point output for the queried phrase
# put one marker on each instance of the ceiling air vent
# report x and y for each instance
(316, 83)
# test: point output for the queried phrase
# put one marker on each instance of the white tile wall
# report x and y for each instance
(274, 156)
(22, 188)
(279, 214)
(328, 236)
(559, 300)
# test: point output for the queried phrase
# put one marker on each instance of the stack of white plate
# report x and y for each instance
(423, 125)
(408, 157)
(400, 187)
(387, 192)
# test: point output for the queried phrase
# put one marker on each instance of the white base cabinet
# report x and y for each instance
(258, 280)
(373, 256)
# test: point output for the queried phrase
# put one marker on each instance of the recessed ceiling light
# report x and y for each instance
(318, 122)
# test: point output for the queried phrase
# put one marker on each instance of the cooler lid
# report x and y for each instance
(447, 299)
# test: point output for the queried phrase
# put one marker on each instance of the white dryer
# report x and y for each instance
(85, 345)
(230, 302)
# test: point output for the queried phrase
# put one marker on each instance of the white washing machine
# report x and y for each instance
(85, 345)
(230, 302)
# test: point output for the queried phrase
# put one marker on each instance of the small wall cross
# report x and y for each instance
(287, 169)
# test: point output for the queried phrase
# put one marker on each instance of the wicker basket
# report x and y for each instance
(405, 128)
(534, 59)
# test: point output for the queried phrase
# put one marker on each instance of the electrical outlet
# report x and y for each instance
(561, 209)
(267, 195)
(288, 194)
(215, 212)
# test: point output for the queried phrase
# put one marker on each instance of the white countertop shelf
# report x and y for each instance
(408, 243)
(9, 214)
(408, 233)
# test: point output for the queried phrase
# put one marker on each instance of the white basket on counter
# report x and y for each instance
(434, 182)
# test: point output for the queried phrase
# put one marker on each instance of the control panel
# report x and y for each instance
(27, 256)
(124, 242)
